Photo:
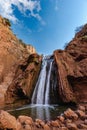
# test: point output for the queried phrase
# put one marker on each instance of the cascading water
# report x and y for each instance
(45, 92)
(42, 88)
(45, 97)
(48, 84)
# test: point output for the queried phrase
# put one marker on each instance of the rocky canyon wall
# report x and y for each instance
(20, 67)
(12, 52)
(24, 80)
(72, 69)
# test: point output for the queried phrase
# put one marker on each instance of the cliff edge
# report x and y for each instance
(12, 51)
(72, 69)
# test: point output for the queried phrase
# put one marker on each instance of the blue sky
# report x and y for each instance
(46, 24)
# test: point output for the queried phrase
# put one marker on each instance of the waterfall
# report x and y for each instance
(42, 88)
(48, 85)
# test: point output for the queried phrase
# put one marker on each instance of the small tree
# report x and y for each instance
(22, 43)
(66, 45)
(7, 22)
(78, 29)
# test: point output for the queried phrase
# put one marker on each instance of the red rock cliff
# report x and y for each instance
(72, 69)
(12, 50)
(24, 80)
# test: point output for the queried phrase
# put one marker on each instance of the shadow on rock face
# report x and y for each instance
(24, 80)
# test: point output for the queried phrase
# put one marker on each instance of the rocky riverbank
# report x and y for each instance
(69, 120)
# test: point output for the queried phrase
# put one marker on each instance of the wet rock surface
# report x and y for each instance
(68, 121)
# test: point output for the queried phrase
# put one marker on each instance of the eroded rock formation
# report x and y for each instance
(12, 50)
(72, 69)
(24, 80)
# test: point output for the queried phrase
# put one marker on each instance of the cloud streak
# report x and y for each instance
(31, 7)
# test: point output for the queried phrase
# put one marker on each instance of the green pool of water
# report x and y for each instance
(44, 112)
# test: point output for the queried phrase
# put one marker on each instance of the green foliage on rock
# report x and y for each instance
(84, 37)
(22, 43)
(7, 22)
(78, 29)
(66, 45)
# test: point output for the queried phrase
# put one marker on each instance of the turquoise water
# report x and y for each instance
(44, 112)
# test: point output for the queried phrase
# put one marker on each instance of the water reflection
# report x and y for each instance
(44, 112)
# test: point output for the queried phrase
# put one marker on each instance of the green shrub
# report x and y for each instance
(78, 29)
(7, 22)
(84, 37)
(22, 43)
(66, 45)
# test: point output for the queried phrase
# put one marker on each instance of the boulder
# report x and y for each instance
(46, 127)
(85, 122)
(27, 127)
(68, 121)
(7, 121)
(25, 119)
(82, 108)
(84, 117)
(61, 118)
(55, 123)
(80, 113)
(25, 123)
(39, 123)
(70, 114)
(82, 126)
(19, 126)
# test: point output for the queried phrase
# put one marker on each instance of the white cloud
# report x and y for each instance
(7, 10)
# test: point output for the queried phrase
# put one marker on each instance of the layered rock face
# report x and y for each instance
(24, 80)
(12, 51)
(72, 69)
